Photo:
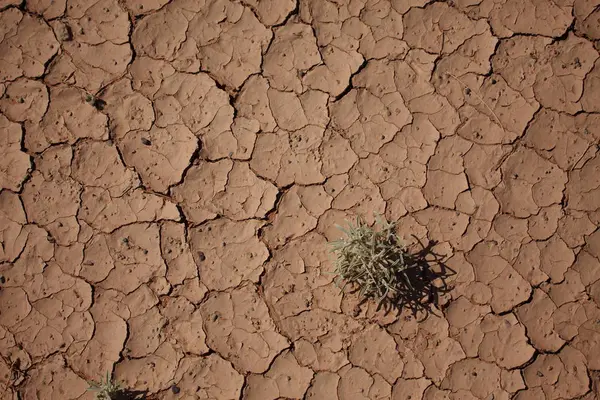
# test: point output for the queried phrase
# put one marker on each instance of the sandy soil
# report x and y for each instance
(171, 173)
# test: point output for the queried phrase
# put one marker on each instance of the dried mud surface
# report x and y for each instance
(171, 172)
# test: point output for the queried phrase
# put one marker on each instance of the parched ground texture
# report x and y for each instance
(171, 173)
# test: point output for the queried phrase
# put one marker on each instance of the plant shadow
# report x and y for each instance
(126, 394)
(420, 287)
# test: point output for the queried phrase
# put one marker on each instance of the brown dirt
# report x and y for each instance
(171, 172)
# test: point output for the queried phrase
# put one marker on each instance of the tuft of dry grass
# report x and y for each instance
(106, 388)
(374, 262)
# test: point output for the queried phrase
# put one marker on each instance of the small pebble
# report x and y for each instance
(99, 104)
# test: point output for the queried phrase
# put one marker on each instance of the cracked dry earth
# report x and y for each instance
(171, 173)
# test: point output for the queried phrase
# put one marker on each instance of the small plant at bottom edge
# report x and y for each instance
(375, 263)
(106, 389)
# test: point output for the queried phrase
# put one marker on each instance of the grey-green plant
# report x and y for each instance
(106, 388)
(374, 262)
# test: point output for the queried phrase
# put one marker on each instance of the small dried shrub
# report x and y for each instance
(106, 389)
(374, 262)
